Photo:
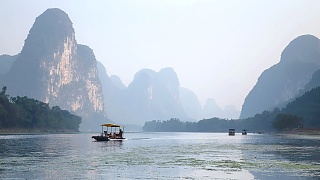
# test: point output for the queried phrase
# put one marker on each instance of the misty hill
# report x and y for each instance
(6, 62)
(154, 95)
(305, 107)
(230, 111)
(190, 103)
(54, 69)
(151, 95)
(114, 96)
(212, 109)
(283, 81)
(313, 83)
(117, 82)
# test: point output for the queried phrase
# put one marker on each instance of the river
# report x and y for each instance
(160, 156)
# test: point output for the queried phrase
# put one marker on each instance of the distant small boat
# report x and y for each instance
(244, 132)
(112, 135)
(232, 132)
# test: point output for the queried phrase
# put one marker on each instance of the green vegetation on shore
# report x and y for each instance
(23, 114)
(302, 113)
(175, 125)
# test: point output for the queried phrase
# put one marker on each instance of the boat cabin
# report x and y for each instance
(232, 132)
(113, 132)
(244, 132)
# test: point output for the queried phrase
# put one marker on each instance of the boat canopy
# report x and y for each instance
(111, 125)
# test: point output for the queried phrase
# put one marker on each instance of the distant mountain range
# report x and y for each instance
(52, 67)
(154, 96)
(284, 81)
(150, 96)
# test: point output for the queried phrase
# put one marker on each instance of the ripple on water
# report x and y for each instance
(158, 156)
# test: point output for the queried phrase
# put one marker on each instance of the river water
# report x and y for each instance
(160, 156)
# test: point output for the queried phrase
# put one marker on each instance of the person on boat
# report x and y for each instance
(120, 133)
(114, 135)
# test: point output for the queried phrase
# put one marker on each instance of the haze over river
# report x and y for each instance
(160, 156)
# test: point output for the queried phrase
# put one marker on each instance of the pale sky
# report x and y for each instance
(217, 48)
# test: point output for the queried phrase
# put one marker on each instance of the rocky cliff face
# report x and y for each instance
(53, 68)
(283, 81)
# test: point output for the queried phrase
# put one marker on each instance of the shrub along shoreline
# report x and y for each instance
(27, 115)
(36, 131)
(303, 131)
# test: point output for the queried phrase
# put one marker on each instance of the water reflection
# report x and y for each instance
(283, 157)
(110, 146)
(159, 156)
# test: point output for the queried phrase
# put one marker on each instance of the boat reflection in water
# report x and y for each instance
(112, 135)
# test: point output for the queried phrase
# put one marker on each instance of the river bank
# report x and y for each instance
(35, 131)
(304, 131)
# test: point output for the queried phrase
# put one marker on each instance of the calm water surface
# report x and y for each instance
(160, 156)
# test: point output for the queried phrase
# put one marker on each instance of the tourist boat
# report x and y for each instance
(232, 132)
(244, 132)
(113, 132)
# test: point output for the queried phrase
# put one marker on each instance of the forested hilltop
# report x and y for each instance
(26, 114)
(301, 113)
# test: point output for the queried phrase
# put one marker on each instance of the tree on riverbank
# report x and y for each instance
(305, 107)
(175, 125)
(26, 113)
(287, 122)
